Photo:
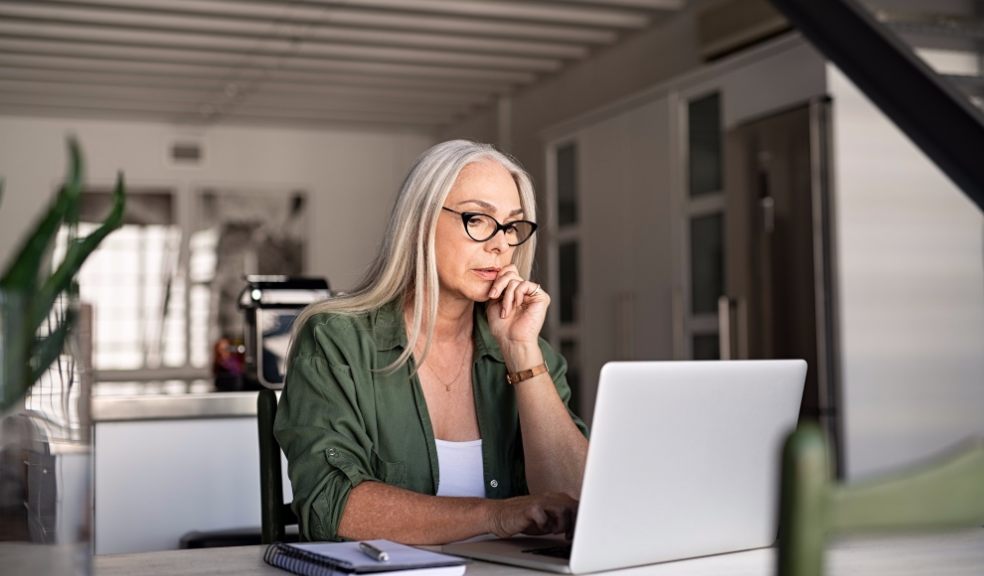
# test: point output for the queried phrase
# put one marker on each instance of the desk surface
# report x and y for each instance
(959, 554)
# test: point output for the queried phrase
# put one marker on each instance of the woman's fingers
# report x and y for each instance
(520, 294)
(502, 280)
(509, 298)
(539, 514)
(512, 291)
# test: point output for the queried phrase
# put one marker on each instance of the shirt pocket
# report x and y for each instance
(394, 473)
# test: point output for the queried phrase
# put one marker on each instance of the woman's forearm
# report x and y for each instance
(377, 510)
(555, 450)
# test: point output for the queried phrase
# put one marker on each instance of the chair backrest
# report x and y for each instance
(948, 493)
(270, 304)
(275, 514)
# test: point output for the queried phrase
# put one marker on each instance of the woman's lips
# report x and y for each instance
(487, 274)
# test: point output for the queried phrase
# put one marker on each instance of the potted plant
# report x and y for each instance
(44, 447)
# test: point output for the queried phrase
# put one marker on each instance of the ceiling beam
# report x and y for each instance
(193, 25)
(531, 11)
(275, 47)
(235, 60)
(198, 71)
(72, 78)
(298, 14)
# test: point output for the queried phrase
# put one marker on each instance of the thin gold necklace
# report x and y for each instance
(447, 385)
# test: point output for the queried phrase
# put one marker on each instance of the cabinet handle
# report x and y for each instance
(732, 328)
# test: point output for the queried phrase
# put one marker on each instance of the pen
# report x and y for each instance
(373, 552)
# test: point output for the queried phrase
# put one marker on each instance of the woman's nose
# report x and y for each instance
(497, 242)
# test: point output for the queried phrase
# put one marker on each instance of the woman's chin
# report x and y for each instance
(477, 294)
(481, 298)
(480, 292)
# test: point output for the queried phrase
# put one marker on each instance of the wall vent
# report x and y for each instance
(186, 153)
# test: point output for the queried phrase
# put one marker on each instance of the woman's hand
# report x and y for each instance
(516, 309)
(552, 513)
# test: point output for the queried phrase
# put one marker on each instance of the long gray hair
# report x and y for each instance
(406, 266)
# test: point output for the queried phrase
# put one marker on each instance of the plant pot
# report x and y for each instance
(45, 461)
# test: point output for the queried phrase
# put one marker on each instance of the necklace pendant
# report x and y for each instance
(447, 387)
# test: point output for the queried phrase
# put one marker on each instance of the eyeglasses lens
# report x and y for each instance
(481, 227)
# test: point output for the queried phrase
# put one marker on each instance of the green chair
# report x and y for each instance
(946, 494)
(275, 514)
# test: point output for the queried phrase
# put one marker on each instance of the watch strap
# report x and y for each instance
(516, 377)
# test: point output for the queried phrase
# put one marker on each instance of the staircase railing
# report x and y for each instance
(932, 113)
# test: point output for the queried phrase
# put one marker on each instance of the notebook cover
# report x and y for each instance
(325, 558)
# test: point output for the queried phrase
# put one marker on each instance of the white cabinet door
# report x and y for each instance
(156, 480)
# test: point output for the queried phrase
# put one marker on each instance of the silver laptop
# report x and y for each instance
(683, 462)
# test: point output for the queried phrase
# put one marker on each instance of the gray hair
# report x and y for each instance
(406, 265)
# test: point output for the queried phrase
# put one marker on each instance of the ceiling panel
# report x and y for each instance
(415, 64)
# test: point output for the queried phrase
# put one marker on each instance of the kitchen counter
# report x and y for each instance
(173, 406)
(194, 448)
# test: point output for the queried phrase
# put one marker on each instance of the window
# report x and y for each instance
(568, 288)
(159, 306)
(134, 283)
(704, 129)
(564, 242)
(567, 204)
(704, 205)
(706, 262)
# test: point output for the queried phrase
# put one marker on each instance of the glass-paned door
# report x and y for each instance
(704, 209)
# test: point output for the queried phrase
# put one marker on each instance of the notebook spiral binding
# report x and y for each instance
(301, 562)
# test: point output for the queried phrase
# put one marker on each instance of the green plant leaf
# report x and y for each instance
(23, 357)
(23, 270)
(76, 255)
(76, 175)
(51, 346)
(16, 351)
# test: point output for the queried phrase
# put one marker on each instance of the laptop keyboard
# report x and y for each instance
(563, 551)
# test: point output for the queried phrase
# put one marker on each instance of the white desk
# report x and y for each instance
(958, 554)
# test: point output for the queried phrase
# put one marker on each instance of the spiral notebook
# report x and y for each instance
(330, 558)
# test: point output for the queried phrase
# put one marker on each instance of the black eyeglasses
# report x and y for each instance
(481, 227)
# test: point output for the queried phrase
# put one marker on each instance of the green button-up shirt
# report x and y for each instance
(341, 420)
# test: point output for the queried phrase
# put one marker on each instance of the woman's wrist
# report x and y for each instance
(492, 517)
(522, 356)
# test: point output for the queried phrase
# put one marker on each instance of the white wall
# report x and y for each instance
(626, 245)
(910, 249)
(642, 60)
(352, 177)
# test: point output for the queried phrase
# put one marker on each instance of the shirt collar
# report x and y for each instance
(484, 341)
(390, 332)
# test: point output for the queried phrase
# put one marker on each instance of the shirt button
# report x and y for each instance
(494, 483)
(331, 452)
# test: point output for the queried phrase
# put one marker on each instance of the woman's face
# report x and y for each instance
(466, 268)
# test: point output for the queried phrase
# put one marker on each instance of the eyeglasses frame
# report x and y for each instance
(466, 216)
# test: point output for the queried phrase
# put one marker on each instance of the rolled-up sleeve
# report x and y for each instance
(557, 365)
(321, 430)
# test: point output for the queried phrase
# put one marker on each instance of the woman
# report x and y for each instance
(397, 418)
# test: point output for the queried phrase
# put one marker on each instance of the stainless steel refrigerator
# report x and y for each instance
(780, 300)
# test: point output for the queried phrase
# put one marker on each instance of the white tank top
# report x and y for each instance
(460, 467)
